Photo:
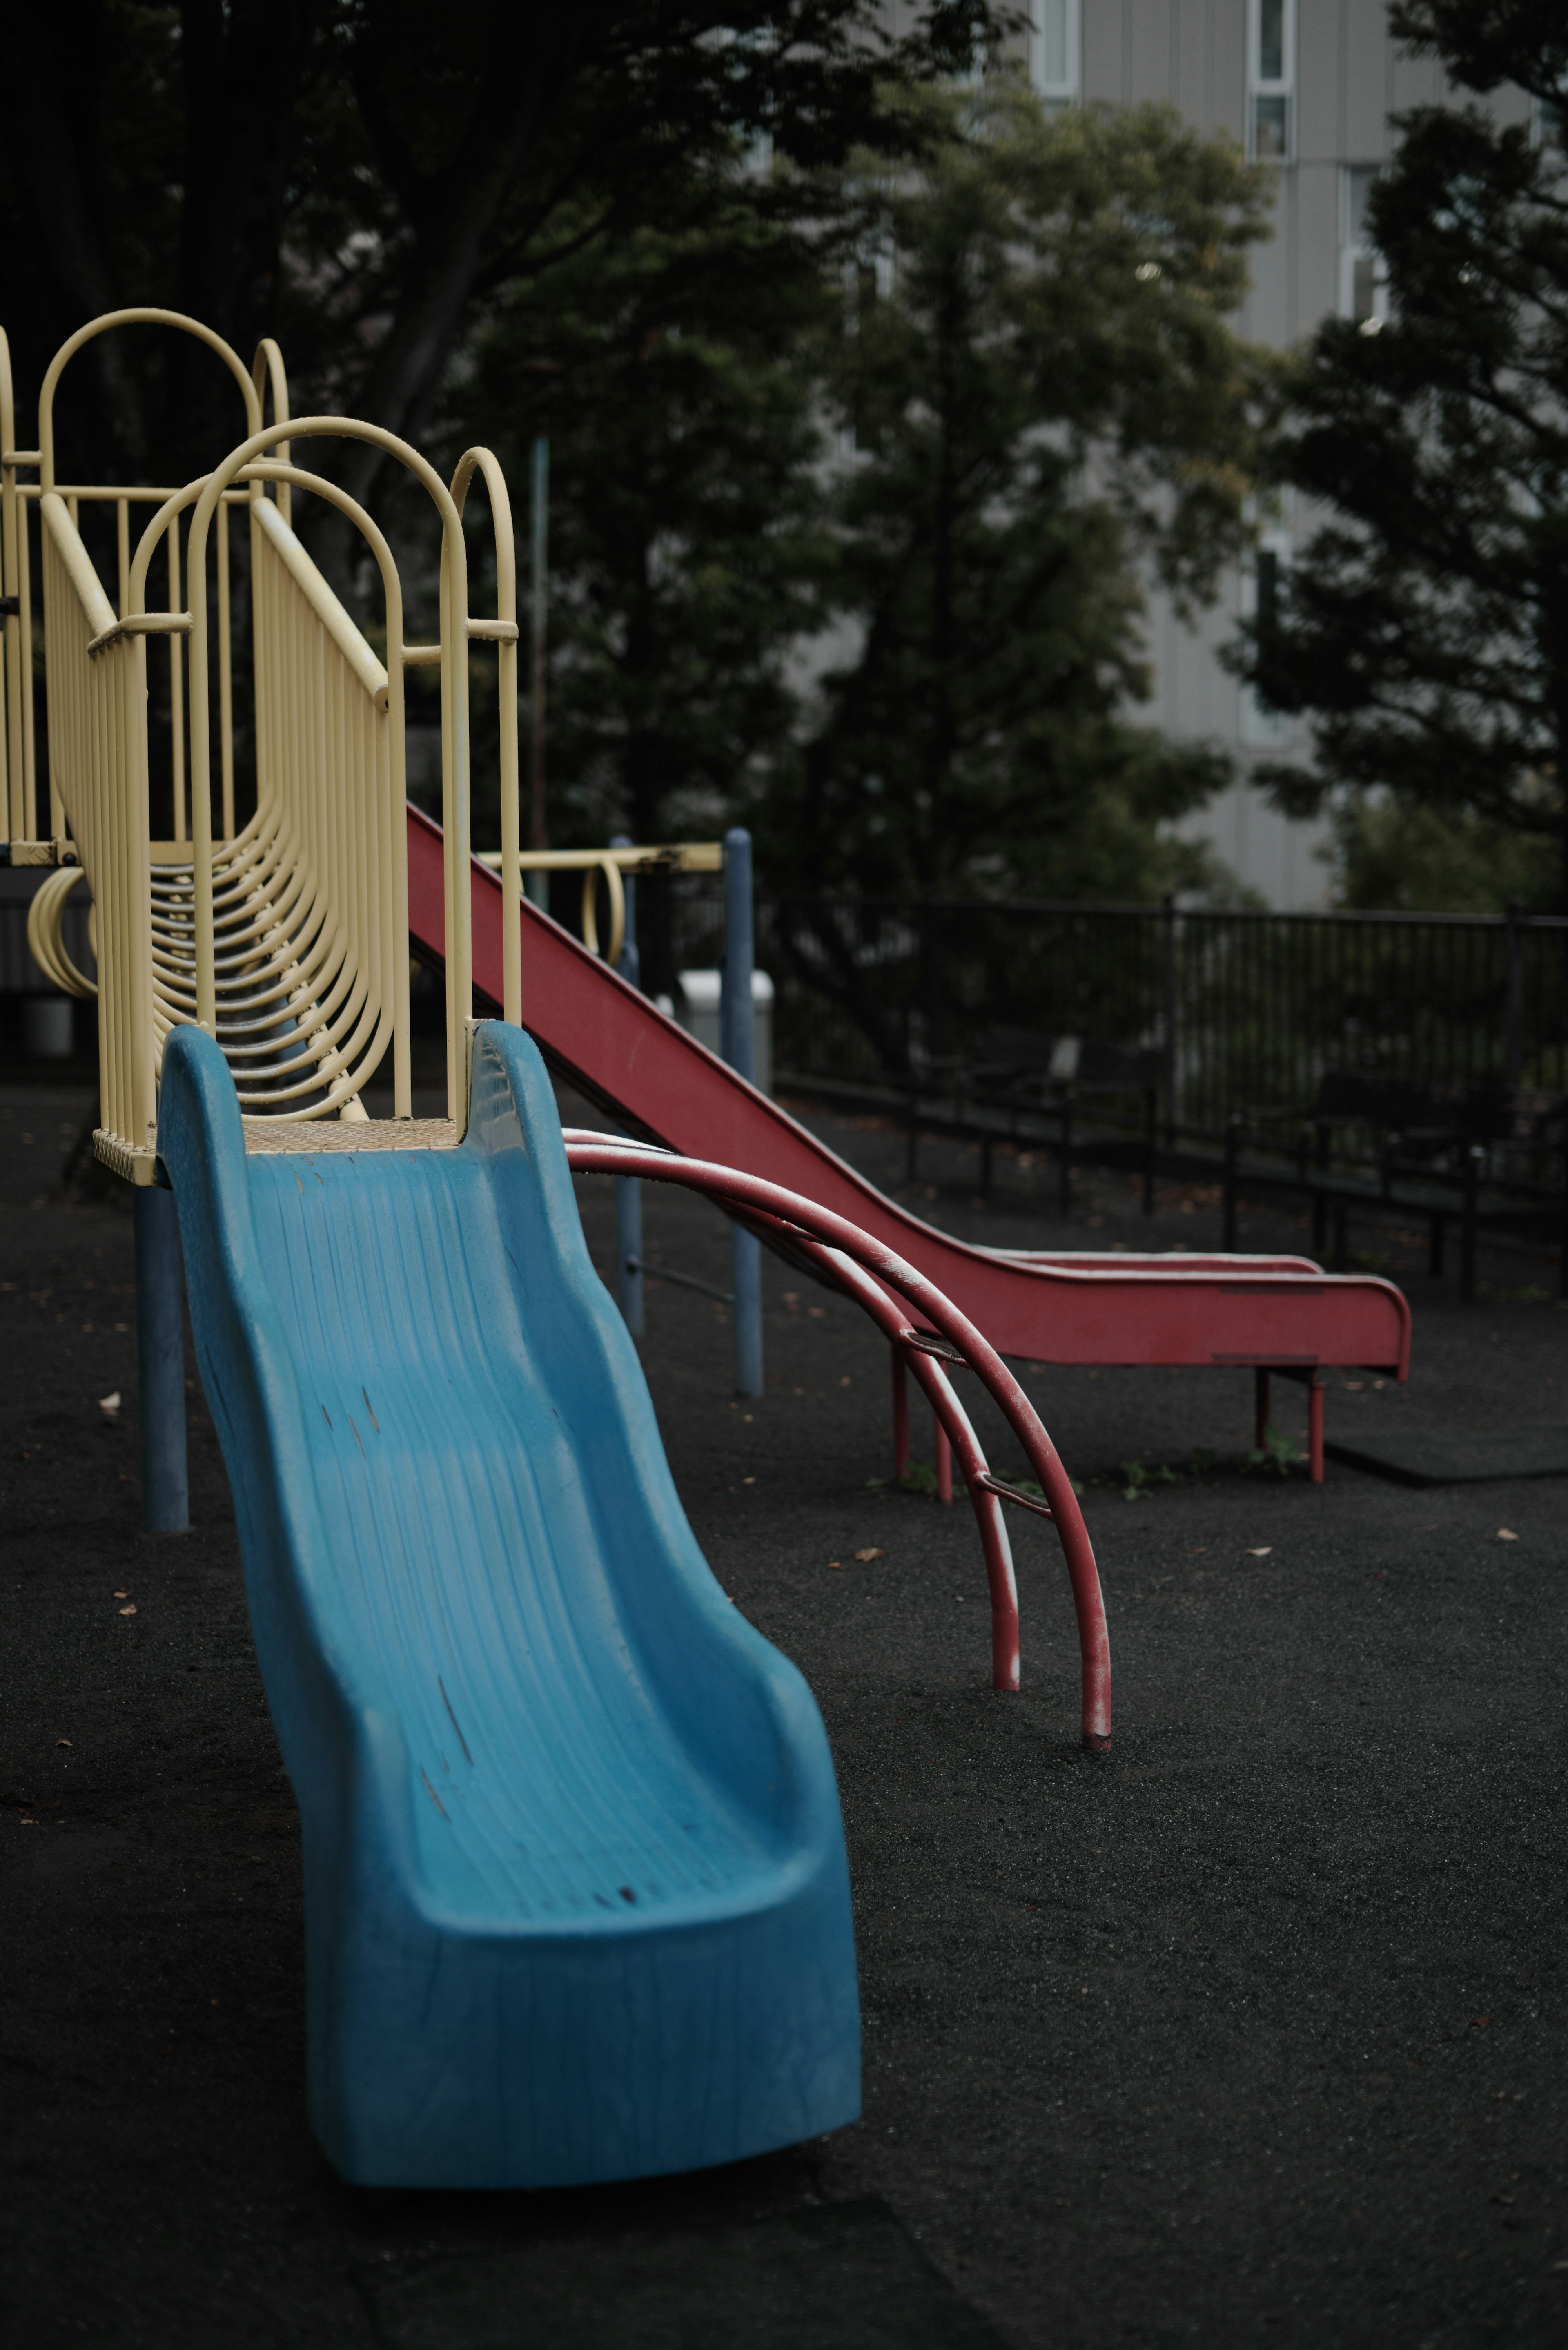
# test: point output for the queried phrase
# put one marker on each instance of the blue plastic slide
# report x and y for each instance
(576, 1902)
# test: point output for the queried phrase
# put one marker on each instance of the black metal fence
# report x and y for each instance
(1246, 1008)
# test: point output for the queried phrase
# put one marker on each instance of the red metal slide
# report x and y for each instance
(1278, 1313)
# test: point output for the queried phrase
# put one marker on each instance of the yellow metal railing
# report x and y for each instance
(608, 864)
(286, 936)
(98, 736)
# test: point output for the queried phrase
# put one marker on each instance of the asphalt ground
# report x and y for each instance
(1252, 2033)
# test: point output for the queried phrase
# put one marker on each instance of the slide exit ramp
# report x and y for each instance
(576, 1903)
(1273, 1313)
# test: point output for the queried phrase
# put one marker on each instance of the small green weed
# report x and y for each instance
(1278, 1455)
(1138, 1482)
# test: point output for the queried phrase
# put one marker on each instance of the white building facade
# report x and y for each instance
(1308, 87)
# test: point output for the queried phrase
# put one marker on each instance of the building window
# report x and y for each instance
(1054, 51)
(1363, 280)
(1547, 123)
(1271, 78)
(1263, 729)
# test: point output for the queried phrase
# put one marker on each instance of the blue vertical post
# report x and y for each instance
(160, 1362)
(629, 1187)
(737, 1034)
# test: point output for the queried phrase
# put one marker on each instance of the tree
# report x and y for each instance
(1425, 630)
(671, 370)
(359, 176)
(1043, 405)
(1408, 856)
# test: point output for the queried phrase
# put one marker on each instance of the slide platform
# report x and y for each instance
(1280, 1313)
(576, 1900)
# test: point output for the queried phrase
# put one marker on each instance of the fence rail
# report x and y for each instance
(1247, 1008)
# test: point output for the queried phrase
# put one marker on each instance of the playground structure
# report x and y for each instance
(1280, 1317)
(308, 1022)
(576, 1903)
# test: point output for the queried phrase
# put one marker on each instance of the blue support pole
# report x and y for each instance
(629, 1187)
(160, 1362)
(737, 1031)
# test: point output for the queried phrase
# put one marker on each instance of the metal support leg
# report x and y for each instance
(1473, 1157)
(1314, 1428)
(748, 1281)
(1435, 1228)
(160, 1362)
(629, 1251)
(627, 1188)
(1232, 1150)
(737, 1021)
(944, 1465)
(900, 1415)
(1149, 1139)
(1260, 1407)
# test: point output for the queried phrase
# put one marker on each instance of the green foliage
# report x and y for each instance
(686, 546)
(632, 231)
(1041, 402)
(1410, 856)
(1278, 1455)
(920, 1477)
(362, 177)
(1139, 1483)
(1425, 631)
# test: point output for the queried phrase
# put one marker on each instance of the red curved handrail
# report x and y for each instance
(867, 1269)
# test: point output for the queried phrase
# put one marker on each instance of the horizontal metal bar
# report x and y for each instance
(98, 493)
(679, 857)
(142, 624)
(865, 910)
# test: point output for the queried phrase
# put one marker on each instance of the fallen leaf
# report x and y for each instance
(62, 1741)
(1479, 2022)
(131, 1610)
(748, 1481)
(844, 1382)
(1506, 1533)
(122, 1594)
(836, 1562)
(864, 1555)
(1266, 1552)
(110, 1405)
(1196, 1550)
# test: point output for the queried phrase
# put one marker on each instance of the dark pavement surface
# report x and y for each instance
(1252, 2032)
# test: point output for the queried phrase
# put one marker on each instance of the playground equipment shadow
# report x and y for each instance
(1253, 2032)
